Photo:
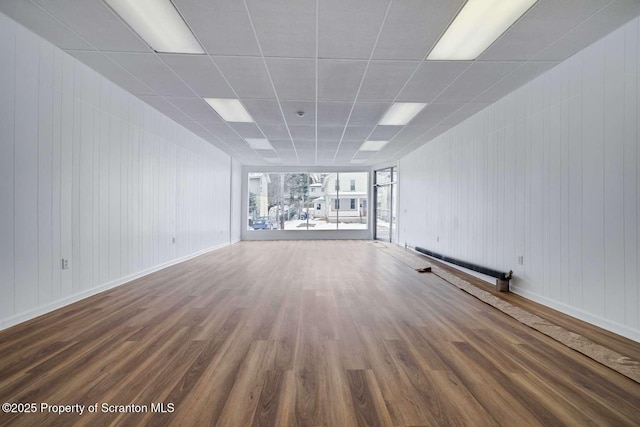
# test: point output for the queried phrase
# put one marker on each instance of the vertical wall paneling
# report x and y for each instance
(91, 174)
(26, 169)
(7, 146)
(549, 173)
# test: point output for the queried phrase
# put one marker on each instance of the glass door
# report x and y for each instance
(385, 204)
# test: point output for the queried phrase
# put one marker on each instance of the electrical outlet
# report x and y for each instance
(520, 259)
(65, 264)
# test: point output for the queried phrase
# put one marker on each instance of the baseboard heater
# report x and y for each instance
(502, 278)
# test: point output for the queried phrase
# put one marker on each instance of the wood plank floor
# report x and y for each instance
(333, 333)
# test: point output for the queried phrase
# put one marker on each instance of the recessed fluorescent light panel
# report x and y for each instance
(373, 145)
(230, 109)
(259, 143)
(479, 23)
(159, 24)
(401, 113)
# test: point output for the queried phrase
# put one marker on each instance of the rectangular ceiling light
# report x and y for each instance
(259, 143)
(401, 113)
(477, 26)
(373, 145)
(159, 24)
(230, 109)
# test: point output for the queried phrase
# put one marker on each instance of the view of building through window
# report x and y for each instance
(308, 201)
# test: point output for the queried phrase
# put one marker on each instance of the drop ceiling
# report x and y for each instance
(342, 62)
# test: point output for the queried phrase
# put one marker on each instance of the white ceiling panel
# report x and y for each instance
(195, 108)
(222, 26)
(293, 78)
(165, 107)
(357, 133)
(281, 144)
(544, 23)
(247, 130)
(475, 80)
(285, 28)
(317, 52)
(288, 155)
(330, 132)
(431, 79)
(435, 113)
(513, 81)
(112, 71)
(291, 109)
(413, 27)
(612, 17)
(384, 133)
(368, 113)
(348, 28)
(105, 30)
(264, 111)
(42, 23)
(463, 113)
(303, 132)
(339, 80)
(199, 72)
(385, 79)
(326, 155)
(333, 113)
(247, 76)
(274, 131)
(148, 68)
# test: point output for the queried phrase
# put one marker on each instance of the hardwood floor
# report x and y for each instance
(332, 333)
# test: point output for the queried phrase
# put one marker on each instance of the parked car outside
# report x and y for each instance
(263, 223)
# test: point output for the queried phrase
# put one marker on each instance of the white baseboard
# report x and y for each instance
(601, 322)
(59, 303)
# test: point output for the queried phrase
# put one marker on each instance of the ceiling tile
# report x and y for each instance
(303, 132)
(112, 71)
(357, 133)
(368, 113)
(199, 72)
(221, 130)
(264, 111)
(333, 113)
(409, 134)
(513, 81)
(150, 70)
(413, 27)
(43, 24)
(247, 130)
(247, 76)
(162, 105)
(285, 28)
(475, 80)
(275, 131)
(105, 30)
(348, 28)
(544, 23)
(384, 133)
(293, 78)
(463, 113)
(195, 108)
(610, 18)
(222, 26)
(339, 80)
(385, 79)
(326, 154)
(435, 113)
(281, 144)
(291, 109)
(431, 78)
(328, 145)
(303, 145)
(330, 132)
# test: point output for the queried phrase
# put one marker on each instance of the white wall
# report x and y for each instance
(549, 172)
(90, 173)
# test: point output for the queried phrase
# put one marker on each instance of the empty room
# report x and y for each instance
(320, 212)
